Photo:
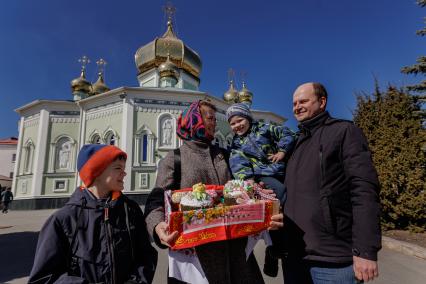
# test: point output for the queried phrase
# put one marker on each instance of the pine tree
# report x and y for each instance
(420, 67)
(393, 127)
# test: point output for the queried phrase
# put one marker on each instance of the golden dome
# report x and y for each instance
(168, 69)
(231, 96)
(99, 86)
(80, 84)
(154, 53)
(245, 96)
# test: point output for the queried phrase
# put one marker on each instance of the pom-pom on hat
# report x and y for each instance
(93, 159)
(240, 109)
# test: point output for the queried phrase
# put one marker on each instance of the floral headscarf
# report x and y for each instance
(191, 126)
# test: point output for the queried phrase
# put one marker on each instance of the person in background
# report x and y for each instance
(6, 199)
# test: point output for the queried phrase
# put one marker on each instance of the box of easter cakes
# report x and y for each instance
(211, 213)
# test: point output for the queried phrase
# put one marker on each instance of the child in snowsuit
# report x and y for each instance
(258, 152)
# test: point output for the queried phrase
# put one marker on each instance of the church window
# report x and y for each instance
(110, 138)
(144, 152)
(28, 157)
(96, 139)
(144, 180)
(144, 148)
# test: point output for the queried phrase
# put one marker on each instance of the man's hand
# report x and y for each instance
(365, 269)
(278, 157)
(162, 232)
(276, 222)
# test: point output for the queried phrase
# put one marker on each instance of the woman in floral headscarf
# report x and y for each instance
(223, 262)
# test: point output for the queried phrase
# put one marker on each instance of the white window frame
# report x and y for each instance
(107, 136)
(55, 189)
(92, 136)
(144, 180)
(137, 160)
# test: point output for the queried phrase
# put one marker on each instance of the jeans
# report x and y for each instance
(297, 271)
(341, 275)
(276, 184)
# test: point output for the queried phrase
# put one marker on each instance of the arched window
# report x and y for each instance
(96, 139)
(28, 156)
(144, 153)
(110, 138)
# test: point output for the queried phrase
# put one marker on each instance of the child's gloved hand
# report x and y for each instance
(277, 157)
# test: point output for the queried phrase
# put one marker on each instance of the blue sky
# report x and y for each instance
(280, 44)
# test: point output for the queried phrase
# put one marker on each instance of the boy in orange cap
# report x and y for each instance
(100, 235)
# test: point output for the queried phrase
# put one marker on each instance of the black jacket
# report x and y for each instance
(106, 242)
(332, 210)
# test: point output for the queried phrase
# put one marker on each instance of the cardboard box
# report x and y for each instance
(197, 227)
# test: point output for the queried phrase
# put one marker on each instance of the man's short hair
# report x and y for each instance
(207, 102)
(319, 90)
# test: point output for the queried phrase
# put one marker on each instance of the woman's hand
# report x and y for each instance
(277, 222)
(278, 157)
(162, 230)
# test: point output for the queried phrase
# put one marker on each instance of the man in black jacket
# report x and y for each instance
(332, 215)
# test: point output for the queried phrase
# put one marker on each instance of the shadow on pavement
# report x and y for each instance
(17, 254)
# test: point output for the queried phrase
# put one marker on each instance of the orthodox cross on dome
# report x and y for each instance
(243, 75)
(84, 60)
(169, 10)
(101, 65)
(231, 75)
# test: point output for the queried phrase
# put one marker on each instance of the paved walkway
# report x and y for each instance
(18, 239)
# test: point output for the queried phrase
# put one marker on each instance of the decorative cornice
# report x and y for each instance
(161, 102)
(68, 119)
(32, 121)
(157, 110)
(64, 113)
(104, 113)
(104, 107)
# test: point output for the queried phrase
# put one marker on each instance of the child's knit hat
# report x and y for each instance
(240, 109)
(93, 159)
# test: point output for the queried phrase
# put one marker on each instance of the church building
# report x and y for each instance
(141, 120)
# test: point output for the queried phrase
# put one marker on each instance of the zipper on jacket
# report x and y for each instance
(109, 241)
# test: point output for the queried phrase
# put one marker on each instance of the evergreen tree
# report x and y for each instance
(393, 127)
(420, 66)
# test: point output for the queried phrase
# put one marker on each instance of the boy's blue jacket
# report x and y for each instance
(111, 244)
(249, 153)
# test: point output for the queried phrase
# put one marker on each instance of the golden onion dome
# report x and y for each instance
(99, 86)
(245, 96)
(168, 69)
(231, 96)
(80, 84)
(154, 53)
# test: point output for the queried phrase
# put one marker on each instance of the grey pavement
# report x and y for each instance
(18, 239)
